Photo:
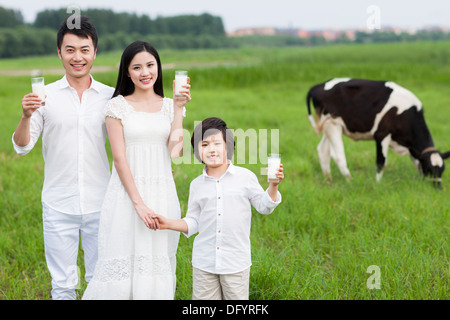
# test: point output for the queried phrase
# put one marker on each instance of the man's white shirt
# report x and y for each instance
(73, 146)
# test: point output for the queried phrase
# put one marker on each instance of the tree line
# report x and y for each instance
(115, 30)
(109, 22)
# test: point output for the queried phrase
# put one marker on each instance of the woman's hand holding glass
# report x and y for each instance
(183, 96)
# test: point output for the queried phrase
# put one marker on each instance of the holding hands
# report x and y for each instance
(166, 223)
(147, 216)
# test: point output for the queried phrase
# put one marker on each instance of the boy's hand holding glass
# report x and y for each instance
(279, 175)
(275, 174)
(275, 168)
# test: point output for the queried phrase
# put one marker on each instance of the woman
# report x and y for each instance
(145, 131)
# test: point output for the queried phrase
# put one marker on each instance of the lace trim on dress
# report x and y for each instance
(119, 108)
(119, 269)
(160, 181)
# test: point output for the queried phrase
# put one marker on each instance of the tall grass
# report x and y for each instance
(321, 239)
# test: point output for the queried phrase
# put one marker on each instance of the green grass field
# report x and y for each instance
(321, 239)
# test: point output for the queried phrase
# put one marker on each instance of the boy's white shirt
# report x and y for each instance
(219, 209)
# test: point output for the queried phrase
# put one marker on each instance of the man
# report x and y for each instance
(72, 126)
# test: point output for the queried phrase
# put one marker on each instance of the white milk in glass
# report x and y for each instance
(180, 81)
(38, 87)
(273, 162)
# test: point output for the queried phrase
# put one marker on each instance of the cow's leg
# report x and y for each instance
(333, 132)
(382, 150)
(323, 149)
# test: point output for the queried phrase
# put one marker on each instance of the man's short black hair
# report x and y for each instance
(209, 127)
(86, 30)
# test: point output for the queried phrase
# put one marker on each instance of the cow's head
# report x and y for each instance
(432, 165)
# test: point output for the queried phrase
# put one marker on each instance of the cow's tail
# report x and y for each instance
(310, 116)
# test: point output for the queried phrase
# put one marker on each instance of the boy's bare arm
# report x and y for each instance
(171, 224)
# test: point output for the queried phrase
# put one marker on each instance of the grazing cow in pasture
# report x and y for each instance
(372, 110)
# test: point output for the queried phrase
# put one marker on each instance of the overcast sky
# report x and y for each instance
(235, 14)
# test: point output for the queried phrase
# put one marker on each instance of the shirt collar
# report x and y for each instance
(231, 170)
(65, 84)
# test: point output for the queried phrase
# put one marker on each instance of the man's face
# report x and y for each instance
(77, 55)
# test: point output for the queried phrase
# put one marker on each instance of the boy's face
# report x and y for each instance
(213, 150)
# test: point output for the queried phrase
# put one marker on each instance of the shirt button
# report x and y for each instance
(218, 198)
(217, 181)
(217, 248)
(218, 231)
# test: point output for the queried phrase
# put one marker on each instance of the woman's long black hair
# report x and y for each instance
(124, 85)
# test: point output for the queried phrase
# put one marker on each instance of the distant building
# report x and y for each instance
(327, 34)
(260, 31)
(303, 34)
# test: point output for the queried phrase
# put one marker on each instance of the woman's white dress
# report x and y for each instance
(135, 262)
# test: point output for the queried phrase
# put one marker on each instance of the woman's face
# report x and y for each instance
(143, 71)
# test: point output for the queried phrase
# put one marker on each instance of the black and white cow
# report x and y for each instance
(372, 110)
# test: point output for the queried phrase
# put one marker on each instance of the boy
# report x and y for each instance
(76, 173)
(219, 209)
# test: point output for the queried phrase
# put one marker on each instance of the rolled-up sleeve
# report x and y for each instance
(193, 214)
(260, 199)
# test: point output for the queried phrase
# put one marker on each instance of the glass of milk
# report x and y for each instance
(180, 81)
(38, 87)
(273, 162)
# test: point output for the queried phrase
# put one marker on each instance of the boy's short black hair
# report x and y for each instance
(86, 30)
(209, 127)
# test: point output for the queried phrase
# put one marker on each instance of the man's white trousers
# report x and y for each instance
(61, 238)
